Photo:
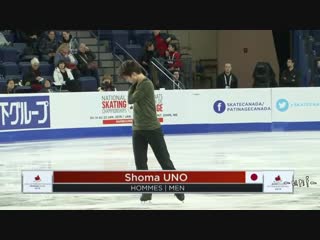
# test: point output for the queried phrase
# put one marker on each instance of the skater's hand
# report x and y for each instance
(134, 86)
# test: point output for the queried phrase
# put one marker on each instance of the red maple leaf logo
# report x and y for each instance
(278, 178)
(37, 178)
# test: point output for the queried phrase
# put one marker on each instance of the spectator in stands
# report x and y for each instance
(47, 88)
(290, 77)
(173, 58)
(161, 41)
(149, 53)
(227, 79)
(48, 47)
(315, 81)
(71, 41)
(32, 39)
(64, 79)
(86, 62)
(177, 78)
(10, 87)
(106, 84)
(33, 76)
(63, 53)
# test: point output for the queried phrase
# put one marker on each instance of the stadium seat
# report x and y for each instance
(88, 84)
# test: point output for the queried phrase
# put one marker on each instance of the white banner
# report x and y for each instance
(239, 105)
(110, 109)
(296, 104)
(90, 109)
(185, 107)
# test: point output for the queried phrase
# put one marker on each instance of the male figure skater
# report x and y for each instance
(146, 127)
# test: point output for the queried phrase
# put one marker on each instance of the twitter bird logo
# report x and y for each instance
(282, 105)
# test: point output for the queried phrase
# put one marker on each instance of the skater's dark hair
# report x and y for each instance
(129, 67)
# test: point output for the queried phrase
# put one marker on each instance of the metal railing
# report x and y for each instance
(175, 83)
(129, 55)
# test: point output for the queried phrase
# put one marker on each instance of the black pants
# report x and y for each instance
(141, 139)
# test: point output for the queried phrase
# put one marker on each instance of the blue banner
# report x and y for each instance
(24, 112)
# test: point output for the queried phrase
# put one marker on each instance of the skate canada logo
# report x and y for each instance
(37, 181)
(278, 182)
(37, 178)
(220, 106)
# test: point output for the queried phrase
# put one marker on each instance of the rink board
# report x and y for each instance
(101, 114)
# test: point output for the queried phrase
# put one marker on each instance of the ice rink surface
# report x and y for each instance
(298, 151)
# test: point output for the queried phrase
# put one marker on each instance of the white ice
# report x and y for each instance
(298, 151)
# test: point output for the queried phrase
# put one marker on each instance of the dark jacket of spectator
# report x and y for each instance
(290, 78)
(148, 55)
(73, 43)
(47, 46)
(31, 38)
(29, 79)
(84, 59)
(107, 87)
(146, 58)
(315, 80)
(227, 81)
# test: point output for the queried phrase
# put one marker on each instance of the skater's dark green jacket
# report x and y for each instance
(144, 108)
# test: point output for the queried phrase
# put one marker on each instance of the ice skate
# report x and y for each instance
(146, 197)
(180, 196)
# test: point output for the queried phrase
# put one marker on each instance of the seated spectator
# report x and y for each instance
(63, 54)
(173, 58)
(160, 41)
(33, 76)
(64, 79)
(47, 88)
(227, 79)
(290, 77)
(48, 47)
(10, 87)
(32, 39)
(86, 62)
(106, 84)
(72, 42)
(177, 79)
